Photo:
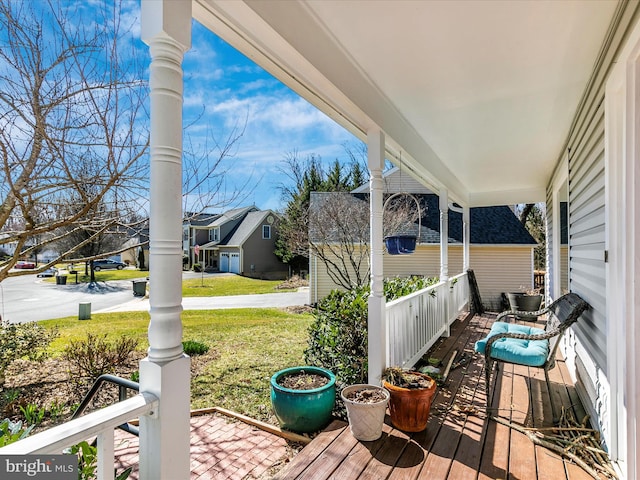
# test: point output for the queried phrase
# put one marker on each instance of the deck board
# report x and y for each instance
(455, 445)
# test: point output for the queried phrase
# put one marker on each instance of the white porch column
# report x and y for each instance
(377, 346)
(165, 438)
(466, 238)
(444, 251)
(444, 235)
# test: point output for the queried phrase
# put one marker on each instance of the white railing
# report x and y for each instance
(100, 424)
(458, 295)
(416, 321)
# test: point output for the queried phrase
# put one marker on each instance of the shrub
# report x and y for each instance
(11, 432)
(338, 335)
(19, 340)
(88, 462)
(96, 355)
(197, 267)
(193, 348)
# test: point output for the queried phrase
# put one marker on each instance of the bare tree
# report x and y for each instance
(206, 163)
(339, 233)
(72, 124)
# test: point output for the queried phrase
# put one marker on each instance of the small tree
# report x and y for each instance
(339, 233)
(306, 175)
(73, 131)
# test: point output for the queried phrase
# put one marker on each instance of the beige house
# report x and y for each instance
(501, 250)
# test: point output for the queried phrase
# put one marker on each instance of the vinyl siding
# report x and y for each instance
(587, 235)
(585, 346)
(497, 269)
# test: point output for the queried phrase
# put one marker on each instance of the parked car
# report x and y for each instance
(49, 272)
(25, 265)
(107, 265)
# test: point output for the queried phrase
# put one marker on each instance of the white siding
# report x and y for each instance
(587, 236)
(498, 269)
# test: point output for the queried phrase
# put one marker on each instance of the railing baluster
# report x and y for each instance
(415, 322)
(105, 455)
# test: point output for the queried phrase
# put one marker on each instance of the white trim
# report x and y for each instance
(560, 181)
(622, 184)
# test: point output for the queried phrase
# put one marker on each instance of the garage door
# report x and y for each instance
(224, 262)
(234, 263)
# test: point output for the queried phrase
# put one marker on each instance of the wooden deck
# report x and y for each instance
(455, 445)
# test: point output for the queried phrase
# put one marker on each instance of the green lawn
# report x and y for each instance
(103, 275)
(195, 287)
(247, 346)
(231, 285)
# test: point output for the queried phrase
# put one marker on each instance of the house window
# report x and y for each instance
(266, 232)
(214, 235)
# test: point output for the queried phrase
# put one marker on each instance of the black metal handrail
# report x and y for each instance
(123, 385)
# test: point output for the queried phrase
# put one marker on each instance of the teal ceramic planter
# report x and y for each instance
(303, 410)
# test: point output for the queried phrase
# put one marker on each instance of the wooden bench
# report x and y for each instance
(530, 346)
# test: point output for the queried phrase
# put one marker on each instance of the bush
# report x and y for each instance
(18, 340)
(197, 267)
(11, 432)
(338, 336)
(96, 355)
(193, 348)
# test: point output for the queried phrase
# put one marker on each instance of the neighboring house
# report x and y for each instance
(7, 246)
(501, 249)
(139, 242)
(239, 241)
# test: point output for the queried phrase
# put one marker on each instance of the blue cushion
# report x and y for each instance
(532, 353)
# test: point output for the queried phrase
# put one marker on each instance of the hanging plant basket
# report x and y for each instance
(400, 244)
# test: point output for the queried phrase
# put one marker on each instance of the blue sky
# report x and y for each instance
(227, 89)
(223, 90)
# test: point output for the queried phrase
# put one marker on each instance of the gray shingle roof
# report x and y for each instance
(248, 225)
(489, 225)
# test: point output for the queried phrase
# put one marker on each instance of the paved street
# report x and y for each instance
(27, 298)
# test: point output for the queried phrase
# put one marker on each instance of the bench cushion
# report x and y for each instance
(532, 353)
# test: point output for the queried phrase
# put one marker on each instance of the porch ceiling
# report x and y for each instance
(479, 96)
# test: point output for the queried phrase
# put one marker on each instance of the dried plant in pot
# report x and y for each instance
(411, 396)
(366, 407)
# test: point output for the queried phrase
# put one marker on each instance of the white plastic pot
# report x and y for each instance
(365, 419)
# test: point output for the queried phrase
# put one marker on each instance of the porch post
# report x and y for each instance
(165, 437)
(444, 249)
(377, 346)
(466, 238)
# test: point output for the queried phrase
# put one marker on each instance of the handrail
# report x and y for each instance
(123, 385)
(411, 296)
(57, 438)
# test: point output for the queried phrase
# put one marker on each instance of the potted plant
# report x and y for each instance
(527, 300)
(411, 396)
(366, 406)
(303, 397)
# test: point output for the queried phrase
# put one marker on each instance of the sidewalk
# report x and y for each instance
(265, 300)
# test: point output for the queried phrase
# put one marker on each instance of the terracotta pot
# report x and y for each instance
(409, 407)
